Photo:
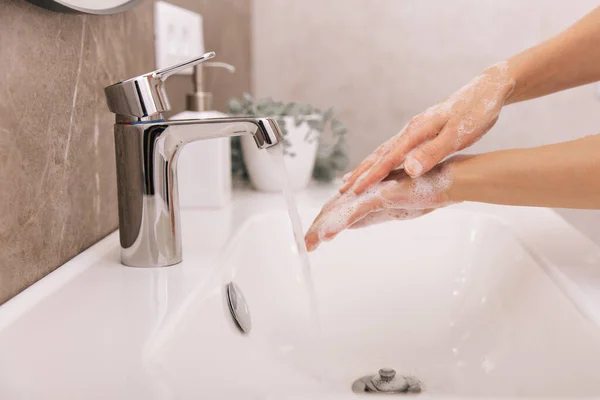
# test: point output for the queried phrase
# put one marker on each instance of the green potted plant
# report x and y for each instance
(314, 144)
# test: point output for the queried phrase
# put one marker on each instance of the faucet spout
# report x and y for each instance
(146, 156)
(147, 148)
(265, 131)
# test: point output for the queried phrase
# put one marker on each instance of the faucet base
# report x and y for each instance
(146, 157)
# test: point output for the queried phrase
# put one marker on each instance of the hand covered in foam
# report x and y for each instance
(439, 131)
(396, 197)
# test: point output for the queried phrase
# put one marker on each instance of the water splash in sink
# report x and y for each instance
(276, 153)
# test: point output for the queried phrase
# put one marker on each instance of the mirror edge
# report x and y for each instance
(60, 6)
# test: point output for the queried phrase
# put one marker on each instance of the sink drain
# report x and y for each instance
(387, 382)
(238, 307)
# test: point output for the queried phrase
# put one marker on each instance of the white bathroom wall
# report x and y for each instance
(380, 62)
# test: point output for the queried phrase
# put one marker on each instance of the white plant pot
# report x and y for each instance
(299, 158)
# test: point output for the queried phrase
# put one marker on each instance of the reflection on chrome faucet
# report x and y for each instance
(147, 148)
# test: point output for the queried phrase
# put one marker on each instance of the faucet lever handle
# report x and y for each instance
(144, 96)
(164, 73)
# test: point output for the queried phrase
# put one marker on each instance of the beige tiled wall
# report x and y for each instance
(57, 173)
(380, 62)
(227, 32)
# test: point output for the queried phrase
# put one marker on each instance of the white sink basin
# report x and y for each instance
(458, 302)
(454, 299)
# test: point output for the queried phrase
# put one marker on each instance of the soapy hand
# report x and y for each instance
(398, 196)
(439, 131)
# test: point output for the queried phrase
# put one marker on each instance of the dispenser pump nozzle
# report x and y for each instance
(201, 100)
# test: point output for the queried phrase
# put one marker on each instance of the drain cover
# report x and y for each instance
(386, 382)
(238, 307)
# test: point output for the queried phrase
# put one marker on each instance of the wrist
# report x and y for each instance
(515, 71)
(504, 74)
(462, 180)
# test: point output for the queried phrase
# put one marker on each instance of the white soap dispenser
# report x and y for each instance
(204, 167)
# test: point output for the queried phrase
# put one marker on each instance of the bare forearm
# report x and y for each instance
(570, 59)
(565, 175)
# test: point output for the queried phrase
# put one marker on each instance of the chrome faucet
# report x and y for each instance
(147, 148)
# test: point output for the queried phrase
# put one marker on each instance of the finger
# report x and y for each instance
(333, 221)
(348, 215)
(414, 136)
(373, 218)
(364, 166)
(311, 239)
(429, 154)
(378, 217)
(372, 159)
